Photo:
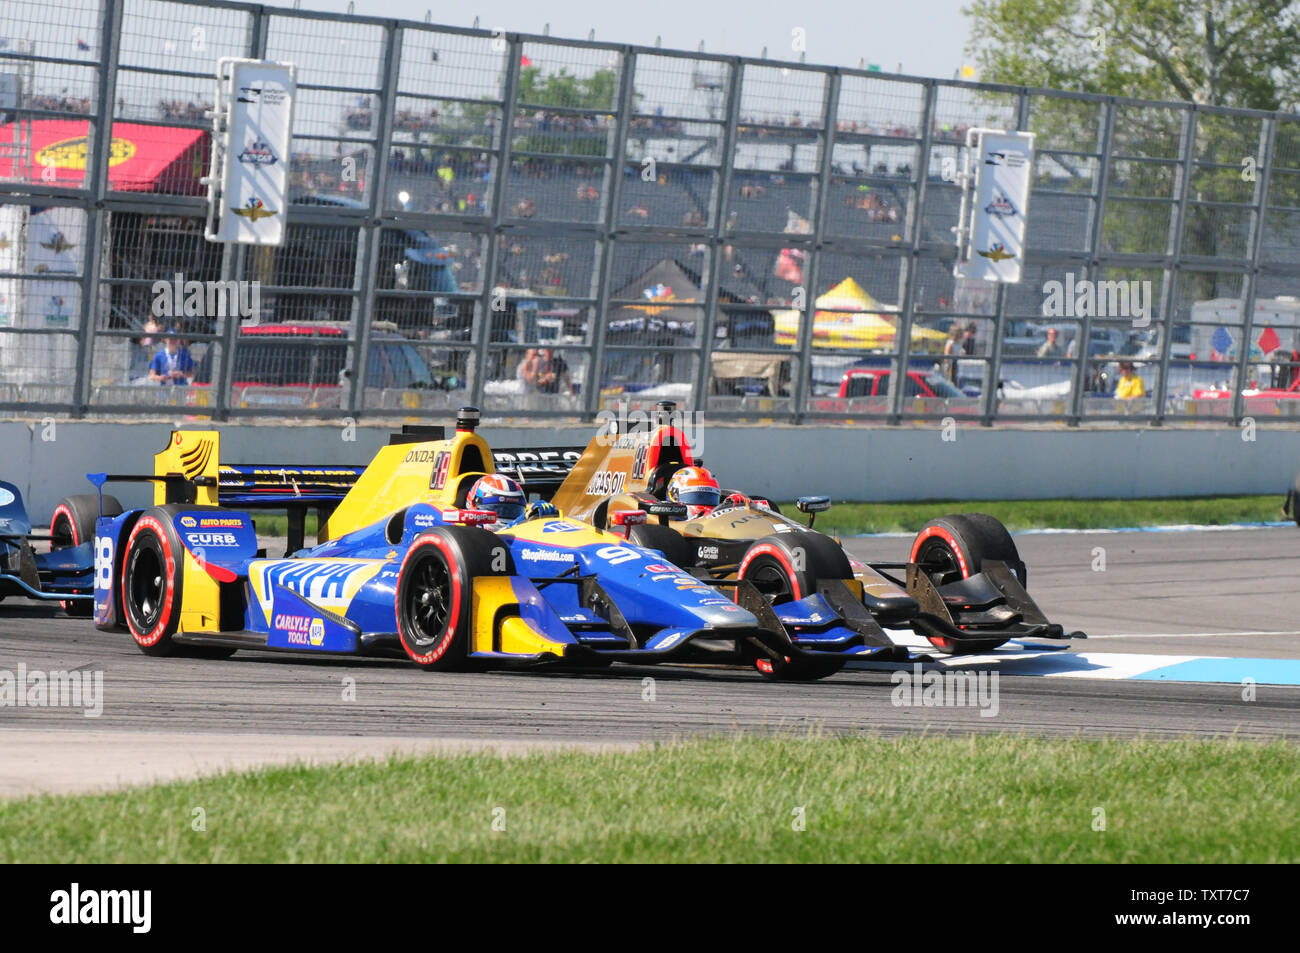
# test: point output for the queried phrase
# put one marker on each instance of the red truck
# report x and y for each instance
(867, 390)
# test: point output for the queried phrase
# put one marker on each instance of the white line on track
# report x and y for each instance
(1183, 635)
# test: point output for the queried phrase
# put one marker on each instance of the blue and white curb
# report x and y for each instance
(1053, 662)
(1101, 531)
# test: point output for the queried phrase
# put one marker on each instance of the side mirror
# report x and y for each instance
(627, 519)
(812, 505)
(666, 510)
(468, 517)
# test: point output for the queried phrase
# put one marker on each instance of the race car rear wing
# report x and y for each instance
(188, 470)
(540, 471)
(258, 485)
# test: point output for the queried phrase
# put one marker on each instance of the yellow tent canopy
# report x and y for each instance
(848, 317)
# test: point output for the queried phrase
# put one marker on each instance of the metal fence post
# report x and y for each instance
(990, 400)
(613, 200)
(233, 259)
(829, 116)
(713, 281)
(372, 229)
(1084, 334)
(97, 185)
(1169, 292)
(903, 336)
(1264, 169)
(514, 49)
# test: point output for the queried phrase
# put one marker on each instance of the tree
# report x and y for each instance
(1234, 53)
(561, 90)
(1243, 53)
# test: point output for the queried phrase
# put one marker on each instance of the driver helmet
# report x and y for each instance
(696, 489)
(498, 494)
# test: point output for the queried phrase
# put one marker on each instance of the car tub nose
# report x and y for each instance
(890, 606)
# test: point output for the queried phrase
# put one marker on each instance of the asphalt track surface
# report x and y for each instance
(1231, 593)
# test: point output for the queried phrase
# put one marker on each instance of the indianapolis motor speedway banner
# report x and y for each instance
(994, 249)
(254, 156)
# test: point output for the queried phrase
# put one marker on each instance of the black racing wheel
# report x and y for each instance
(666, 540)
(785, 567)
(435, 592)
(952, 548)
(73, 523)
(152, 583)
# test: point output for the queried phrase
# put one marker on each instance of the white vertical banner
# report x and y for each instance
(251, 162)
(993, 224)
(11, 245)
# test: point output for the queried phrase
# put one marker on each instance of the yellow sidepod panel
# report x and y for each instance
(201, 607)
(514, 635)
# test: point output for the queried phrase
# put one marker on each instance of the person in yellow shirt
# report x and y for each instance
(1129, 385)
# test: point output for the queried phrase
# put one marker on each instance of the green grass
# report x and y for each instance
(851, 518)
(277, 524)
(991, 798)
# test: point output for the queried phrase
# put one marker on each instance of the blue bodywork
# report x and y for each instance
(61, 576)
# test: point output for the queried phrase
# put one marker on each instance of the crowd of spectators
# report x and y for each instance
(654, 126)
(183, 110)
(876, 207)
(939, 131)
(62, 103)
(458, 180)
(557, 122)
(360, 117)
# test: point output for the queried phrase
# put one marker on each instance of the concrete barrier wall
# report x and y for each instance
(781, 461)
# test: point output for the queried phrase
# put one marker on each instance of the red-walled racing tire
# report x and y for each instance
(435, 592)
(73, 523)
(952, 548)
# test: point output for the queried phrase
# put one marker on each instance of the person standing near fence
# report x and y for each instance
(553, 374)
(172, 364)
(1129, 385)
(142, 353)
(951, 349)
(526, 373)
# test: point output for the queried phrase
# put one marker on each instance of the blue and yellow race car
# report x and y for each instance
(404, 566)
